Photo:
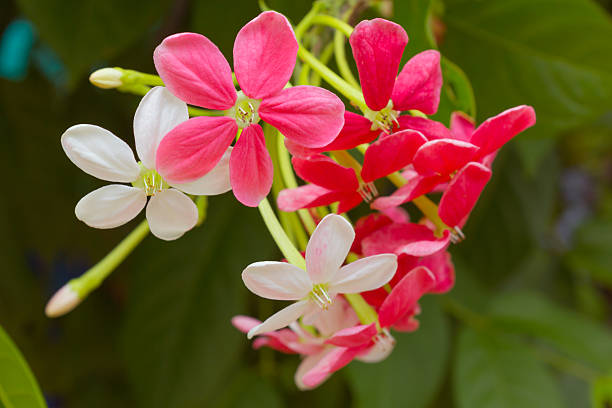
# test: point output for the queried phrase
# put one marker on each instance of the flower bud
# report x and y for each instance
(106, 78)
(62, 302)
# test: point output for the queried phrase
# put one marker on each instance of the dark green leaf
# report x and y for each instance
(18, 387)
(179, 344)
(413, 373)
(495, 373)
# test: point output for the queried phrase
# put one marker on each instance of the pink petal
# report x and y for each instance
(339, 315)
(377, 46)
(429, 128)
(308, 196)
(406, 323)
(277, 280)
(308, 115)
(324, 172)
(353, 336)
(461, 126)
(405, 294)
(443, 156)
(418, 85)
(414, 188)
(194, 147)
(329, 364)
(195, 71)
(366, 226)
(442, 267)
(390, 154)
(494, 132)
(328, 247)
(251, 168)
(462, 193)
(356, 131)
(264, 55)
(244, 323)
(410, 239)
(306, 365)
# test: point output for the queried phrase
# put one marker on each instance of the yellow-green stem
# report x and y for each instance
(280, 236)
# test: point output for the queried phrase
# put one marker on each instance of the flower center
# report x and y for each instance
(245, 110)
(367, 191)
(384, 119)
(320, 296)
(150, 181)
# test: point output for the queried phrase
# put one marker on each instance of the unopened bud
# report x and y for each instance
(62, 302)
(106, 78)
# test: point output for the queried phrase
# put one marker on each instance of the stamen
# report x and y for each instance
(320, 296)
(457, 235)
(367, 191)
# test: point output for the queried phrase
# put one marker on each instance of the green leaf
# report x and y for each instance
(512, 52)
(18, 387)
(88, 32)
(592, 252)
(567, 331)
(494, 373)
(179, 344)
(413, 373)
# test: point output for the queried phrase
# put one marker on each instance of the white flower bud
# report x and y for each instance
(106, 78)
(62, 302)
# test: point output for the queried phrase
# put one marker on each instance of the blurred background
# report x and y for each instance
(528, 323)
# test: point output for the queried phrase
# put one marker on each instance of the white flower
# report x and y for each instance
(324, 277)
(170, 213)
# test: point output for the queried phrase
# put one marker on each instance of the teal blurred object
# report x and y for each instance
(50, 65)
(15, 48)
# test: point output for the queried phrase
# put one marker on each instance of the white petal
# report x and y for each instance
(280, 319)
(380, 350)
(170, 214)
(157, 114)
(277, 280)
(328, 247)
(110, 206)
(98, 152)
(216, 181)
(365, 274)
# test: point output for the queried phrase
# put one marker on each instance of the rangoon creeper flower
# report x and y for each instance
(194, 70)
(170, 213)
(315, 288)
(378, 46)
(332, 182)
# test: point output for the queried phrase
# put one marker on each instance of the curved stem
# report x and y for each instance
(280, 236)
(343, 66)
(333, 22)
(90, 280)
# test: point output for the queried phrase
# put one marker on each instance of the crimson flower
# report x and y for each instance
(195, 71)
(332, 182)
(378, 46)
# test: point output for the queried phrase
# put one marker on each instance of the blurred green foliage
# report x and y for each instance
(527, 324)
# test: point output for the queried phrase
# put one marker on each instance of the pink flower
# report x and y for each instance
(463, 159)
(378, 46)
(194, 69)
(315, 288)
(332, 182)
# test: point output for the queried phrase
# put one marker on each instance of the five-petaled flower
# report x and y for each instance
(98, 152)
(315, 288)
(194, 70)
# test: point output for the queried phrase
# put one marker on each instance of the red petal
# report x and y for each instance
(353, 336)
(442, 267)
(308, 115)
(390, 154)
(494, 132)
(418, 85)
(461, 126)
(251, 169)
(350, 201)
(462, 193)
(429, 128)
(194, 147)
(378, 46)
(406, 323)
(405, 295)
(443, 156)
(195, 71)
(366, 226)
(324, 172)
(410, 239)
(264, 55)
(414, 188)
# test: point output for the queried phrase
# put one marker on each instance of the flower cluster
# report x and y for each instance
(353, 285)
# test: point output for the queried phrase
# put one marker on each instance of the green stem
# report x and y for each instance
(343, 66)
(333, 22)
(364, 311)
(352, 94)
(306, 22)
(325, 56)
(90, 280)
(280, 237)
